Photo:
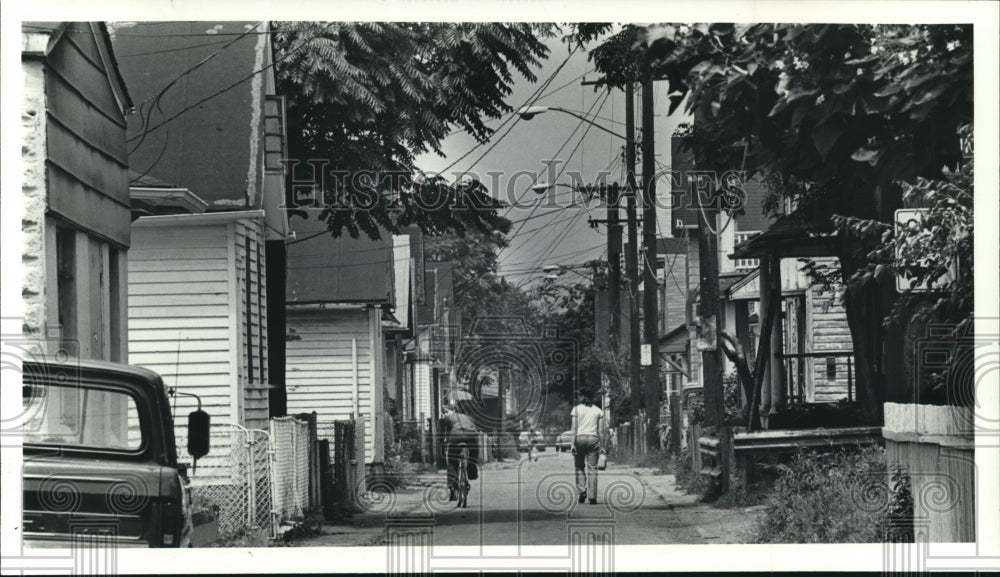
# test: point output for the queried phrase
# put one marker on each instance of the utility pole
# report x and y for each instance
(614, 267)
(651, 382)
(708, 320)
(631, 257)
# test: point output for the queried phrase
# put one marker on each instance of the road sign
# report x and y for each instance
(913, 218)
(646, 355)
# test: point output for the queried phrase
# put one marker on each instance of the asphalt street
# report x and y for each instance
(525, 503)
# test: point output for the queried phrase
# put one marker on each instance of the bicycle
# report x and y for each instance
(463, 485)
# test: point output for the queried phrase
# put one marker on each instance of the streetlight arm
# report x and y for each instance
(529, 112)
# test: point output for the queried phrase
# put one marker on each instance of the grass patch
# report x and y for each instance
(245, 539)
(841, 497)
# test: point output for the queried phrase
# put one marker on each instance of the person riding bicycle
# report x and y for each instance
(459, 428)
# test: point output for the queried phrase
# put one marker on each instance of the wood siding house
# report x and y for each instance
(338, 290)
(812, 320)
(434, 347)
(76, 215)
(207, 182)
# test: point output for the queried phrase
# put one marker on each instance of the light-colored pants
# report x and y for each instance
(588, 447)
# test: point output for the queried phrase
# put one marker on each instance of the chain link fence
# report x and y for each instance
(256, 481)
(290, 440)
(234, 479)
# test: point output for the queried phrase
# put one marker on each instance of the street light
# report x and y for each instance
(529, 112)
(588, 191)
(649, 233)
(541, 187)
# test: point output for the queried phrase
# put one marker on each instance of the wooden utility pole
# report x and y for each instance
(651, 382)
(631, 257)
(613, 193)
(708, 331)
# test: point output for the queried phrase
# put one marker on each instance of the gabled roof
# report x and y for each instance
(675, 340)
(50, 33)
(343, 270)
(198, 88)
(806, 232)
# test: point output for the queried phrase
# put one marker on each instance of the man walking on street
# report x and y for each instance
(588, 425)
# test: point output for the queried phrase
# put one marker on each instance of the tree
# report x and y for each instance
(479, 289)
(841, 115)
(570, 308)
(366, 98)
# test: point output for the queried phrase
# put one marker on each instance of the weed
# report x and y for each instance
(688, 479)
(839, 497)
(246, 538)
(896, 525)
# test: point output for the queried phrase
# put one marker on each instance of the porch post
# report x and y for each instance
(765, 306)
(777, 346)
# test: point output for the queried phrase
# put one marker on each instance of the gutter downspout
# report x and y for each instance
(354, 376)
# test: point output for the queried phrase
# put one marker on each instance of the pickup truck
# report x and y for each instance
(100, 458)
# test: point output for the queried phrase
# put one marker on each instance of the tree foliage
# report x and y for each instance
(479, 289)
(840, 116)
(372, 96)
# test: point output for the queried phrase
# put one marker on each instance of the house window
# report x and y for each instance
(744, 263)
(274, 133)
(831, 368)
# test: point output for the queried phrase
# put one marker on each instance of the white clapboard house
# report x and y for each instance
(339, 293)
(206, 184)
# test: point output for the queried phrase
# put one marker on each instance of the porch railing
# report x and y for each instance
(795, 372)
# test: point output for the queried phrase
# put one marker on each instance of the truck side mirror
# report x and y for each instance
(198, 437)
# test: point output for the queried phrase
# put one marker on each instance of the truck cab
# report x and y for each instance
(100, 458)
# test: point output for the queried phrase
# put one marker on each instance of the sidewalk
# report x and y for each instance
(719, 526)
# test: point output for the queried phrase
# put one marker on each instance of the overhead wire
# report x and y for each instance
(512, 115)
(561, 147)
(550, 224)
(568, 226)
(233, 85)
(155, 98)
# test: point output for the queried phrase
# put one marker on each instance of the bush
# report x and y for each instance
(841, 497)
(409, 449)
(688, 479)
(730, 398)
(897, 523)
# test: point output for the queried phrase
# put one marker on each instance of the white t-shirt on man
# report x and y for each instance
(587, 419)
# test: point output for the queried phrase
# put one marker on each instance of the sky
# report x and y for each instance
(554, 235)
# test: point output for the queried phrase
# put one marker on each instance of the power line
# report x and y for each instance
(235, 84)
(564, 255)
(545, 226)
(160, 35)
(169, 50)
(547, 94)
(512, 115)
(155, 98)
(563, 169)
(568, 226)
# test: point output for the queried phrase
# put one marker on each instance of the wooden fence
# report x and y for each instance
(935, 445)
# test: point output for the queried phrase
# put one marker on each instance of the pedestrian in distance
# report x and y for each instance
(588, 426)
